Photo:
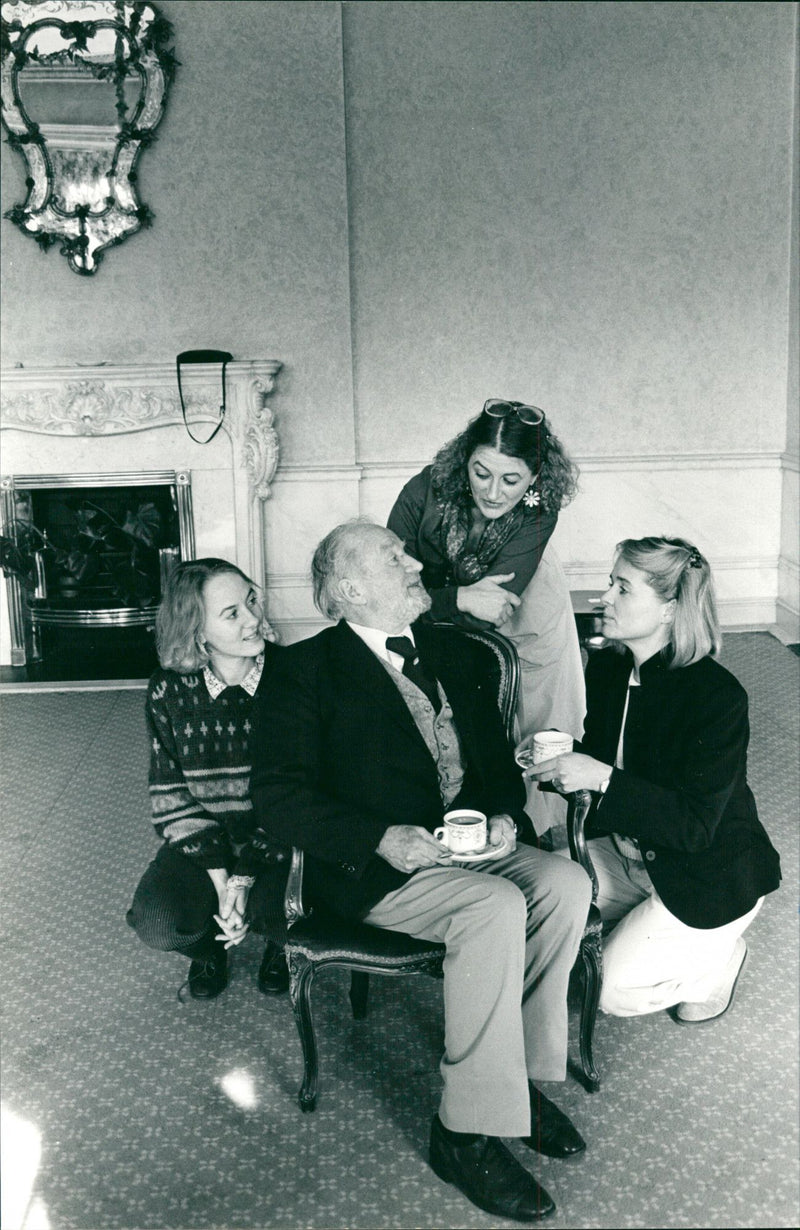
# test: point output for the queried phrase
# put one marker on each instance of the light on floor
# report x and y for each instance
(20, 1155)
(238, 1086)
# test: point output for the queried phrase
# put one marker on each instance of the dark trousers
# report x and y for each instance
(175, 902)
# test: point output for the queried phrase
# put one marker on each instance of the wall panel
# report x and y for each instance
(700, 497)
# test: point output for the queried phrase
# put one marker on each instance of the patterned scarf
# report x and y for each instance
(469, 566)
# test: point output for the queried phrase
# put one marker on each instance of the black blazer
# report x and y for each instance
(683, 792)
(338, 758)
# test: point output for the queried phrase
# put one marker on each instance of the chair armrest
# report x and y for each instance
(293, 897)
(578, 804)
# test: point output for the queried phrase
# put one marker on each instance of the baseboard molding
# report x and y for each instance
(750, 613)
(787, 623)
(75, 685)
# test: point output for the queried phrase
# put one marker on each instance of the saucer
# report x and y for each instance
(484, 855)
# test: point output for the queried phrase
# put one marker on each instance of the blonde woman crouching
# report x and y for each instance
(682, 859)
(216, 874)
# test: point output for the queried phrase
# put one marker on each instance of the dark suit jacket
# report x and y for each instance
(683, 792)
(337, 758)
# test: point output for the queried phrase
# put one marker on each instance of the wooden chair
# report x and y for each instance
(591, 949)
(317, 939)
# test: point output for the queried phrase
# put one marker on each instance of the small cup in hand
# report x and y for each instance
(463, 831)
(545, 746)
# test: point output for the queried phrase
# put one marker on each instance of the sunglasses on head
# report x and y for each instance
(496, 408)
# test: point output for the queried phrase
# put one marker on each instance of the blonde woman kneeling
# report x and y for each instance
(682, 859)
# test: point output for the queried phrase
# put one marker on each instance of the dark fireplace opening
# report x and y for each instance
(86, 558)
(101, 548)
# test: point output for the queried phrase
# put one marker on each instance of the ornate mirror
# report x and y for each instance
(84, 83)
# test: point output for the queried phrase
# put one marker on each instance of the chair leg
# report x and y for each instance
(359, 990)
(592, 956)
(301, 975)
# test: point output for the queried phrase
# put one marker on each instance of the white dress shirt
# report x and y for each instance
(375, 640)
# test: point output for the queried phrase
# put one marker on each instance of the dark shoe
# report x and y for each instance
(488, 1175)
(208, 979)
(551, 1131)
(273, 975)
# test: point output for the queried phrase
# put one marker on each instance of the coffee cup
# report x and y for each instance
(546, 745)
(463, 831)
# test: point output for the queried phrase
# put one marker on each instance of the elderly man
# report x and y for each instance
(372, 729)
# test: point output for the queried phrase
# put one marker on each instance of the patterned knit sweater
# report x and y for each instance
(200, 770)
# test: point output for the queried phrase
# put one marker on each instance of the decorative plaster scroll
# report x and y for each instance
(118, 400)
(260, 449)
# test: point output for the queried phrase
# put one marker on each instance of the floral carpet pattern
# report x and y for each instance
(126, 1110)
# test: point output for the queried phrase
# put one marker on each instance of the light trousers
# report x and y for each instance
(511, 930)
(552, 693)
(651, 960)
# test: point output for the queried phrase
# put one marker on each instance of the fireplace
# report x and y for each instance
(92, 553)
(103, 452)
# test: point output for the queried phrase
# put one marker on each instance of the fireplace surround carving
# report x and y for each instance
(111, 401)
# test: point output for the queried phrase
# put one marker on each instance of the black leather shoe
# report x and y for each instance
(208, 979)
(488, 1175)
(552, 1133)
(273, 975)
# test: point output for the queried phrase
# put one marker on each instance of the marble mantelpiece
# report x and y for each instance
(113, 419)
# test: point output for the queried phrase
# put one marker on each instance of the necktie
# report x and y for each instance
(412, 668)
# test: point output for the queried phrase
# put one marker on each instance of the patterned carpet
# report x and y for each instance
(124, 1110)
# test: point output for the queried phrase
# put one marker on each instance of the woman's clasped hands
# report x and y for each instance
(232, 894)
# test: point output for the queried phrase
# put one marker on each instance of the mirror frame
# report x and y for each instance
(85, 233)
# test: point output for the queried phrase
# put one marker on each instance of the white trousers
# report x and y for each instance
(652, 960)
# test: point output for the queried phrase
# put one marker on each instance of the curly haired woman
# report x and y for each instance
(479, 520)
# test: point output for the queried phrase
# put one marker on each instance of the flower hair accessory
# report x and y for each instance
(695, 559)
